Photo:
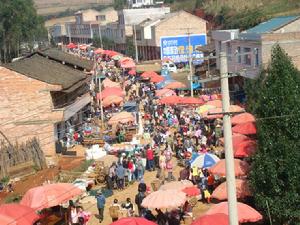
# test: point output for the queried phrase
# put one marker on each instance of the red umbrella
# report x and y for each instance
(111, 91)
(245, 213)
(236, 139)
(242, 190)
(132, 72)
(175, 85)
(49, 195)
(170, 100)
(112, 99)
(241, 168)
(71, 45)
(215, 219)
(127, 63)
(164, 93)
(247, 128)
(133, 221)
(156, 79)
(242, 118)
(217, 103)
(191, 191)
(149, 74)
(192, 101)
(245, 149)
(99, 51)
(122, 117)
(16, 214)
(110, 53)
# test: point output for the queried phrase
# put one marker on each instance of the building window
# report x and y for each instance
(101, 18)
(239, 57)
(247, 56)
(138, 35)
(228, 47)
(256, 57)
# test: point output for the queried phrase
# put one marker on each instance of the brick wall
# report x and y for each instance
(26, 109)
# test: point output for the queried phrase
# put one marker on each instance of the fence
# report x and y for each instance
(19, 159)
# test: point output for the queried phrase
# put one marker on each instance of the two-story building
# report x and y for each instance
(149, 31)
(128, 19)
(43, 95)
(250, 51)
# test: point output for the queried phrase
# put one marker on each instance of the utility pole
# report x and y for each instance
(136, 47)
(100, 92)
(69, 31)
(100, 35)
(229, 160)
(190, 64)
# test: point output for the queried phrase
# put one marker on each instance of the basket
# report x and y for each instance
(155, 185)
(114, 211)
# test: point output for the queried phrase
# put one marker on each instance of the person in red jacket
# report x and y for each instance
(150, 159)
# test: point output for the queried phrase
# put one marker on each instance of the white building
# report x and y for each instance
(140, 3)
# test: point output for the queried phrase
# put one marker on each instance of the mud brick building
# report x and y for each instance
(40, 95)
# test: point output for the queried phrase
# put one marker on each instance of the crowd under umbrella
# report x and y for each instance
(245, 149)
(206, 160)
(122, 117)
(16, 214)
(127, 63)
(133, 221)
(170, 100)
(49, 195)
(242, 190)
(247, 128)
(164, 199)
(242, 118)
(108, 83)
(132, 72)
(192, 101)
(216, 103)
(215, 219)
(176, 185)
(99, 51)
(241, 168)
(246, 214)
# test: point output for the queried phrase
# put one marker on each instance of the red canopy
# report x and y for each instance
(164, 92)
(156, 79)
(149, 74)
(242, 190)
(192, 101)
(236, 139)
(132, 72)
(71, 46)
(133, 221)
(247, 128)
(110, 53)
(245, 213)
(111, 91)
(242, 118)
(191, 191)
(127, 63)
(17, 214)
(215, 219)
(245, 149)
(170, 100)
(99, 51)
(49, 195)
(175, 85)
(241, 168)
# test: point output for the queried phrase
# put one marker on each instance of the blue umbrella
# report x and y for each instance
(205, 160)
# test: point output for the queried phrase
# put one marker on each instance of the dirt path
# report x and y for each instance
(130, 192)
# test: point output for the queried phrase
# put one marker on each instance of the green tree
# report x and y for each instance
(199, 4)
(130, 48)
(107, 43)
(19, 24)
(275, 175)
(119, 4)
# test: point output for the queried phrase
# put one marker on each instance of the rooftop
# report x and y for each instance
(49, 71)
(70, 59)
(272, 24)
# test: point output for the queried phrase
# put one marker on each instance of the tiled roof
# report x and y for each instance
(272, 24)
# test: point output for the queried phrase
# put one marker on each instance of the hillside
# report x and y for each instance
(241, 13)
(47, 7)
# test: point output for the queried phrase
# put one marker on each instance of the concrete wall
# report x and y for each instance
(291, 27)
(178, 24)
(26, 109)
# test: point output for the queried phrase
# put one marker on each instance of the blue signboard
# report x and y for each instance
(177, 48)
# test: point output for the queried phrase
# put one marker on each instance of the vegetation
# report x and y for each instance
(83, 166)
(275, 175)
(130, 48)
(119, 4)
(19, 25)
(13, 198)
(107, 43)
